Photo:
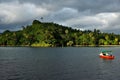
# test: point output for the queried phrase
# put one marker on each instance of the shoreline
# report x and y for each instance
(97, 45)
(62, 46)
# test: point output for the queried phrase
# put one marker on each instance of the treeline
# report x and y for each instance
(52, 35)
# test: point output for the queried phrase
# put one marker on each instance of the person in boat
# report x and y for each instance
(104, 54)
(107, 53)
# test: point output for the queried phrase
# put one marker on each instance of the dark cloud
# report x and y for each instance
(81, 5)
(87, 14)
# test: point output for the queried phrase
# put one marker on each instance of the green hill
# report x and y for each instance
(52, 35)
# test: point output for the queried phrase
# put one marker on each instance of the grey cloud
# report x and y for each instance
(75, 13)
(81, 5)
(63, 15)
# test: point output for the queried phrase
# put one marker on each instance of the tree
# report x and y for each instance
(101, 42)
(36, 22)
(70, 43)
(115, 41)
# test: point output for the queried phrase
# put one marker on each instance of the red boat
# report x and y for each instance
(106, 55)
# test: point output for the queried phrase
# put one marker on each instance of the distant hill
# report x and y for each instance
(52, 35)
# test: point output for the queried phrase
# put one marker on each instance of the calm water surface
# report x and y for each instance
(71, 63)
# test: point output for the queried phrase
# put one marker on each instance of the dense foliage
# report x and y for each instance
(51, 34)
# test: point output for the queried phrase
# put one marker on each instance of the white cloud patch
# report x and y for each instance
(15, 12)
(100, 21)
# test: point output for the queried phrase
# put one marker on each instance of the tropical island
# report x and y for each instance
(43, 34)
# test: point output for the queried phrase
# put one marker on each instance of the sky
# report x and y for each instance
(78, 14)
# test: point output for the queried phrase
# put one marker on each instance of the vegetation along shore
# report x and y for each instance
(43, 34)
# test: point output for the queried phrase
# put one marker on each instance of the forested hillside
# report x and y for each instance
(52, 35)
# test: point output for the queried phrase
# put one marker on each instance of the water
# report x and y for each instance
(71, 63)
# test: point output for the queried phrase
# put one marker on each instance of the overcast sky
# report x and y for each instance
(79, 14)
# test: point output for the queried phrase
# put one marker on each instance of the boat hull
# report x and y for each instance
(107, 57)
